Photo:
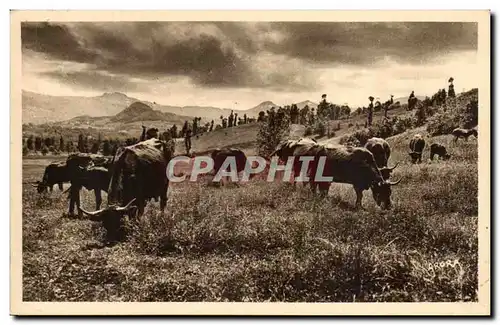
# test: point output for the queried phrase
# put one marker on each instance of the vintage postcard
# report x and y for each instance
(250, 163)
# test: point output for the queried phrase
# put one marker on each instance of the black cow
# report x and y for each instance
(464, 133)
(89, 171)
(354, 166)
(381, 152)
(417, 145)
(55, 173)
(440, 151)
(302, 147)
(138, 174)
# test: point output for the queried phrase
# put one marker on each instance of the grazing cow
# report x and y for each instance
(412, 102)
(464, 133)
(149, 134)
(220, 155)
(84, 172)
(356, 166)
(139, 173)
(440, 151)
(296, 148)
(381, 152)
(417, 145)
(55, 173)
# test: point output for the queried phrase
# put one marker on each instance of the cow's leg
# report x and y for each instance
(323, 189)
(98, 198)
(51, 188)
(456, 139)
(163, 203)
(359, 197)
(74, 195)
(60, 186)
(140, 208)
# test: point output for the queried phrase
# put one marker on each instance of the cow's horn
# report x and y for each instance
(392, 168)
(95, 213)
(396, 182)
(127, 206)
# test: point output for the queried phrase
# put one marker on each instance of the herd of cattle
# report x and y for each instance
(137, 173)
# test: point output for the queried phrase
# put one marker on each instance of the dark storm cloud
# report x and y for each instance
(94, 80)
(365, 43)
(225, 54)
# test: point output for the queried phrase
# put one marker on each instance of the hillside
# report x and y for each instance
(39, 108)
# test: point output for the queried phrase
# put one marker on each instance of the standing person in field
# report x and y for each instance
(451, 88)
(370, 111)
(187, 140)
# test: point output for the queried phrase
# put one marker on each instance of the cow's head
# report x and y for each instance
(415, 156)
(446, 156)
(41, 187)
(111, 213)
(382, 193)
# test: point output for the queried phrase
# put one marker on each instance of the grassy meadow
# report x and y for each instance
(268, 241)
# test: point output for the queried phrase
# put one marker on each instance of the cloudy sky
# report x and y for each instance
(238, 65)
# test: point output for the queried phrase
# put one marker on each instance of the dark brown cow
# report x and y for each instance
(440, 151)
(381, 152)
(354, 166)
(139, 173)
(78, 166)
(220, 155)
(55, 173)
(296, 148)
(417, 145)
(464, 133)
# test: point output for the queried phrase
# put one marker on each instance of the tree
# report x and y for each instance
(69, 146)
(95, 147)
(262, 116)
(272, 131)
(294, 114)
(30, 143)
(38, 143)
(184, 129)
(173, 131)
(231, 119)
(61, 144)
(244, 118)
(106, 148)
(81, 143)
(195, 126)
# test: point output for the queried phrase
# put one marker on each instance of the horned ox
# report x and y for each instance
(351, 165)
(138, 174)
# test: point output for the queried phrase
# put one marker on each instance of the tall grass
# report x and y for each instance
(270, 242)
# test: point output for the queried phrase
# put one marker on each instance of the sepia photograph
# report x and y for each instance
(274, 159)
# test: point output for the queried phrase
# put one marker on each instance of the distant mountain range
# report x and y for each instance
(115, 107)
